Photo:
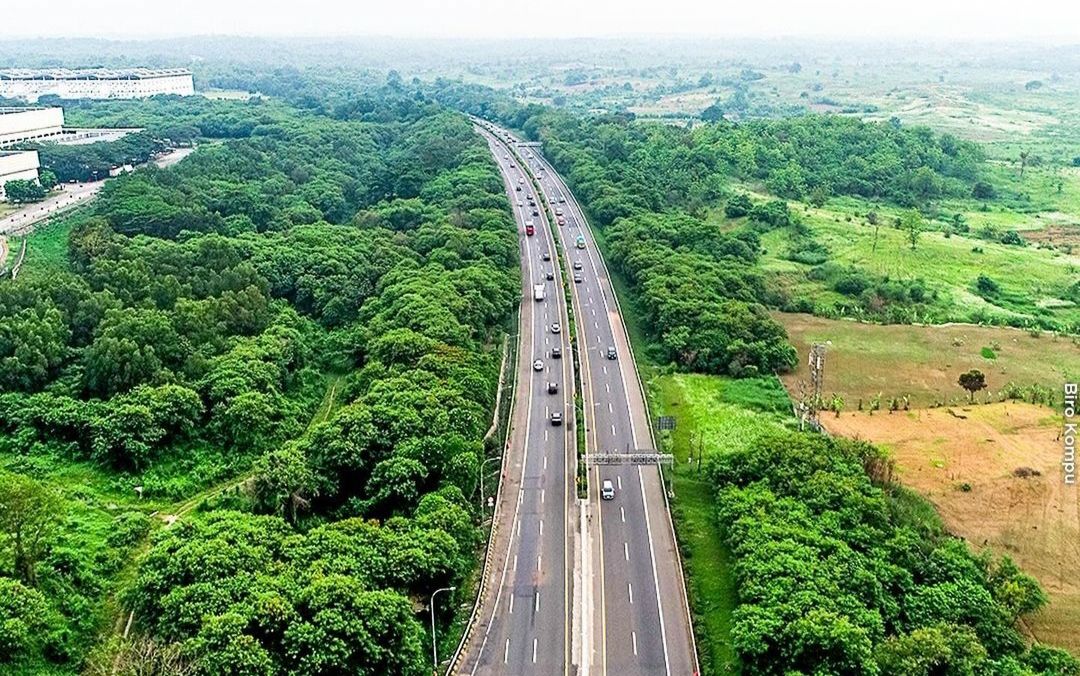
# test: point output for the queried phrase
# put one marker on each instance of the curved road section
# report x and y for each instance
(627, 612)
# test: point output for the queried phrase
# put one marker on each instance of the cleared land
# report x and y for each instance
(975, 465)
(924, 362)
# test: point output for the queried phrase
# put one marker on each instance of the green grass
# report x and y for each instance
(719, 415)
(1034, 282)
(47, 248)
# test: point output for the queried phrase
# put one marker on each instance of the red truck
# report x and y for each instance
(529, 229)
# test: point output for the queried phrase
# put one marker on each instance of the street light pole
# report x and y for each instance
(482, 465)
(434, 648)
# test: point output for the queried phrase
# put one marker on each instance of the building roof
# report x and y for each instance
(15, 110)
(89, 73)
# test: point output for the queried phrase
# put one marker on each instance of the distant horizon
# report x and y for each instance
(980, 20)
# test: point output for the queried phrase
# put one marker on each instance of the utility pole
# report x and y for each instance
(434, 647)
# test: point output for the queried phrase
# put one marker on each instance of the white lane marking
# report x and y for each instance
(545, 462)
(605, 367)
(619, 479)
(626, 550)
(534, 651)
(633, 639)
(541, 496)
(538, 561)
(630, 592)
(541, 527)
(536, 602)
(506, 652)
(622, 513)
(515, 560)
(613, 434)
(656, 577)
(610, 408)
(607, 386)
(545, 435)
(511, 604)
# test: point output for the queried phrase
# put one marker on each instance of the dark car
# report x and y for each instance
(553, 388)
(556, 352)
(556, 418)
(536, 212)
(517, 188)
(549, 275)
(577, 265)
(545, 256)
(611, 354)
(577, 278)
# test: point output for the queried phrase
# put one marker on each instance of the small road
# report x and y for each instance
(70, 195)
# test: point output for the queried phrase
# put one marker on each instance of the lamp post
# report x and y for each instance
(434, 648)
(482, 465)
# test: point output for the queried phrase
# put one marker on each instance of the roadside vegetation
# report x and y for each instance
(245, 397)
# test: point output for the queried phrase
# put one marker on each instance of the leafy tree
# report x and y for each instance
(912, 225)
(21, 191)
(972, 381)
(30, 514)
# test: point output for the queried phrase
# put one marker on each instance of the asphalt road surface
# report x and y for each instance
(631, 614)
(524, 626)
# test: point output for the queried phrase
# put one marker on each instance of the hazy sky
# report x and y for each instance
(969, 19)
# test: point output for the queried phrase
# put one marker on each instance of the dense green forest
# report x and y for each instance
(841, 571)
(305, 311)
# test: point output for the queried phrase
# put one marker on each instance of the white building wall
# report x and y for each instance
(31, 90)
(30, 124)
(21, 165)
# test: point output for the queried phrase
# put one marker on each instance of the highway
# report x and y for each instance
(524, 625)
(630, 613)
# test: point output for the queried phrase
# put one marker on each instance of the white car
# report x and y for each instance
(555, 328)
(520, 203)
(607, 492)
(538, 365)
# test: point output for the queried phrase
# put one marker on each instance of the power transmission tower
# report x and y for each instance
(816, 362)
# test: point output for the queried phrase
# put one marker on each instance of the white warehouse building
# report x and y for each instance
(18, 125)
(21, 165)
(94, 83)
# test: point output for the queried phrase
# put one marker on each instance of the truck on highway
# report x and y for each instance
(580, 242)
(538, 292)
(530, 229)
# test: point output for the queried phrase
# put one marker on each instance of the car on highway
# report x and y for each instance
(538, 365)
(506, 156)
(611, 354)
(549, 275)
(607, 492)
(558, 211)
(546, 256)
(553, 388)
(520, 203)
(556, 352)
(578, 279)
(556, 418)
(577, 265)
(562, 200)
(555, 328)
(562, 221)
(536, 212)
(517, 188)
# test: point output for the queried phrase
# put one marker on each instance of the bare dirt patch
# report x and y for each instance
(993, 472)
(1058, 235)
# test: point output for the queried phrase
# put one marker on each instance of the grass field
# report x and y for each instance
(719, 415)
(1035, 283)
(965, 460)
(924, 362)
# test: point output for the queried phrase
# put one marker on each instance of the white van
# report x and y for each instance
(607, 491)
